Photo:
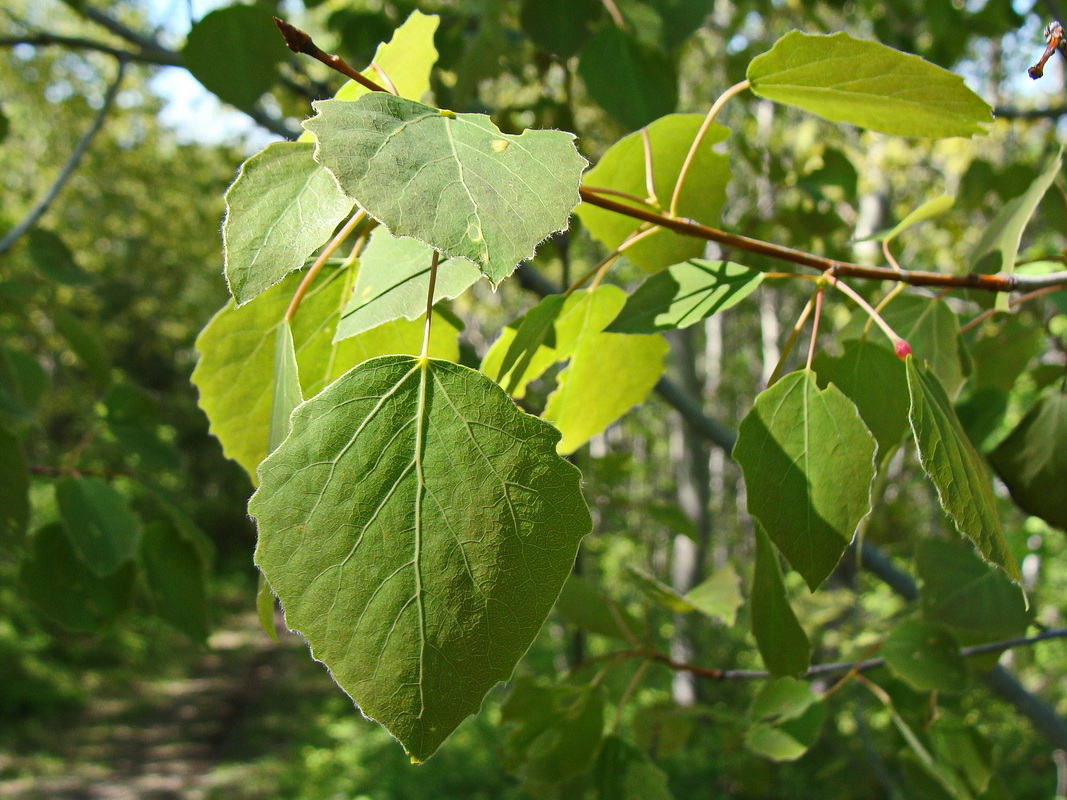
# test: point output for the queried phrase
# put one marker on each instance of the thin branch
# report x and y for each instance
(300, 42)
(72, 163)
(146, 44)
(160, 57)
(327, 251)
(1007, 112)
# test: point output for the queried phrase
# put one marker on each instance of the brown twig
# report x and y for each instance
(300, 42)
(1054, 39)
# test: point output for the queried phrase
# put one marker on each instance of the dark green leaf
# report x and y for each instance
(582, 606)
(1032, 460)
(623, 772)
(280, 210)
(955, 468)
(442, 560)
(175, 577)
(536, 328)
(54, 259)
(808, 462)
(867, 84)
(235, 52)
(781, 641)
(85, 344)
(925, 656)
(560, 26)
(14, 491)
(959, 744)
(100, 523)
(23, 382)
(58, 582)
(265, 608)
(496, 195)
(633, 83)
(684, 294)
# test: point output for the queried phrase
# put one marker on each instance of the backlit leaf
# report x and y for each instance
(536, 327)
(280, 210)
(495, 195)
(286, 393)
(660, 593)
(931, 209)
(622, 169)
(782, 643)
(100, 523)
(684, 294)
(955, 468)
(421, 583)
(786, 718)
(808, 462)
(405, 60)
(867, 84)
(925, 656)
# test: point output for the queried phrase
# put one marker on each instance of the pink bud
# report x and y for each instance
(902, 349)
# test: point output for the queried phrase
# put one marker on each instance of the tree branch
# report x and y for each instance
(160, 57)
(1006, 112)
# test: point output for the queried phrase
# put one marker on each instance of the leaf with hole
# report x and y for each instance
(417, 528)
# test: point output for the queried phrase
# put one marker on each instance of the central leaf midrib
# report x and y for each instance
(420, 427)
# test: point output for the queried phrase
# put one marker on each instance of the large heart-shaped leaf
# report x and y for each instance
(417, 527)
(808, 462)
(492, 197)
(867, 84)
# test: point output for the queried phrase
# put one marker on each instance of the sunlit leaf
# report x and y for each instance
(536, 327)
(782, 643)
(286, 393)
(445, 556)
(931, 209)
(867, 84)
(405, 60)
(495, 195)
(280, 210)
(808, 462)
(100, 523)
(955, 468)
(925, 656)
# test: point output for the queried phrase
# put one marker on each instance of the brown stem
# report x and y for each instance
(335, 242)
(300, 42)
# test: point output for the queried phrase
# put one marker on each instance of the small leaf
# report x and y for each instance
(286, 395)
(622, 169)
(867, 84)
(280, 210)
(555, 732)
(445, 556)
(582, 606)
(719, 596)
(175, 578)
(85, 344)
(393, 279)
(633, 83)
(1032, 460)
(964, 593)
(14, 491)
(808, 463)
(100, 523)
(684, 294)
(782, 643)
(497, 196)
(955, 469)
(782, 699)
(53, 259)
(787, 717)
(873, 378)
(931, 209)
(925, 656)
(623, 772)
(660, 593)
(59, 583)
(235, 52)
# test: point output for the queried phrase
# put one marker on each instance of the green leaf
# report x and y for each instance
(1032, 460)
(623, 772)
(955, 469)
(536, 327)
(265, 608)
(782, 699)
(561, 27)
(405, 60)
(719, 596)
(393, 280)
(175, 577)
(59, 583)
(133, 419)
(959, 744)
(496, 195)
(867, 84)
(633, 83)
(23, 382)
(1004, 352)
(100, 523)
(235, 373)
(85, 344)
(808, 463)
(786, 718)
(997, 249)
(555, 732)
(925, 656)
(782, 643)
(607, 374)
(964, 593)
(235, 52)
(445, 556)
(684, 294)
(53, 259)
(660, 593)
(622, 169)
(582, 606)
(286, 388)
(931, 209)
(873, 378)
(281, 208)
(14, 491)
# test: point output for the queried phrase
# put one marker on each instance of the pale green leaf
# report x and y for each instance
(175, 578)
(956, 469)
(58, 582)
(925, 656)
(14, 491)
(781, 641)
(1032, 460)
(555, 731)
(622, 169)
(417, 527)
(100, 523)
(660, 593)
(867, 84)
(265, 608)
(394, 279)
(808, 463)
(235, 373)
(280, 210)
(286, 393)
(684, 294)
(536, 327)
(493, 196)
(404, 62)
(719, 596)
(931, 209)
